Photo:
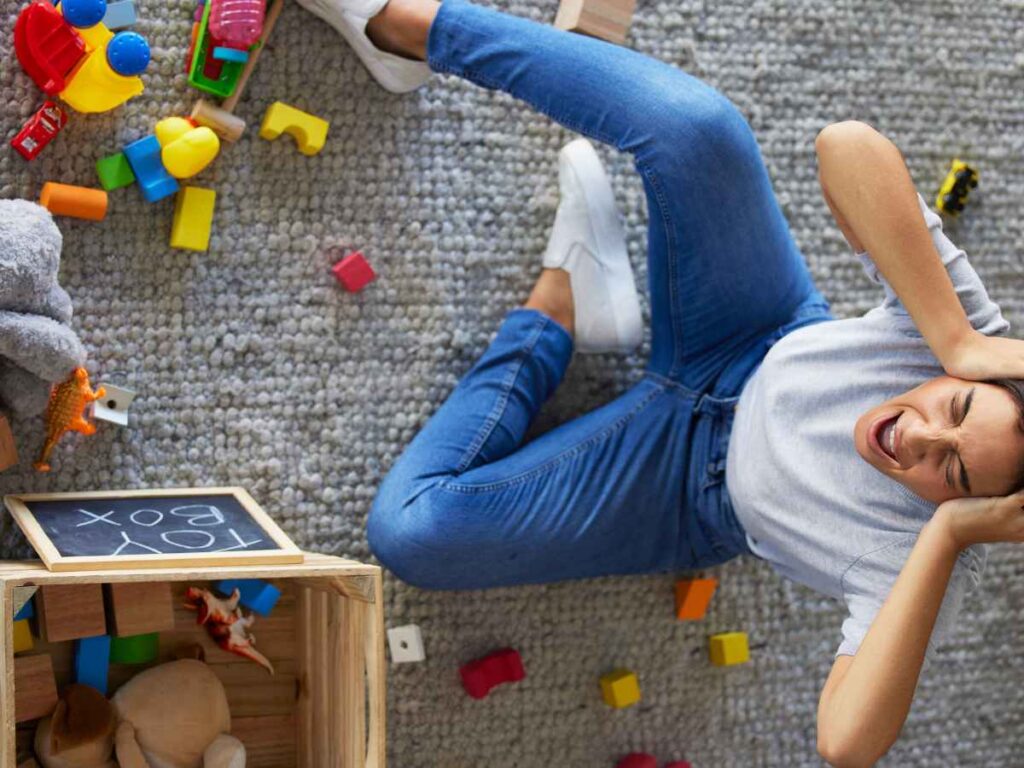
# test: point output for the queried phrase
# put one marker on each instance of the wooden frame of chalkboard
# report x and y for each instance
(59, 554)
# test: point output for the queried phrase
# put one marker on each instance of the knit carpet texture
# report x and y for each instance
(253, 368)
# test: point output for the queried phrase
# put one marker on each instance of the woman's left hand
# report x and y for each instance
(979, 357)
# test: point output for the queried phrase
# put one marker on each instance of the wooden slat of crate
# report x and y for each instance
(269, 741)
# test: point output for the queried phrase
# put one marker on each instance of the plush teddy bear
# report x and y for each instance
(37, 347)
(174, 715)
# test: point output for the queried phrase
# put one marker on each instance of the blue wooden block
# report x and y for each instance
(256, 595)
(92, 661)
(26, 612)
(120, 15)
(144, 158)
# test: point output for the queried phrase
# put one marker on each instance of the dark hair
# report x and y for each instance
(1015, 389)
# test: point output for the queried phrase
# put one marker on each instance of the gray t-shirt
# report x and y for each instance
(811, 506)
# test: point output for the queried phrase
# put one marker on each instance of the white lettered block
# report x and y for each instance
(406, 644)
(113, 406)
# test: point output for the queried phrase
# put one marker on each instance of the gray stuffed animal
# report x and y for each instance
(37, 348)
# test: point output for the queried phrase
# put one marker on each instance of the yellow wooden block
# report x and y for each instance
(193, 217)
(22, 636)
(620, 688)
(729, 648)
(309, 131)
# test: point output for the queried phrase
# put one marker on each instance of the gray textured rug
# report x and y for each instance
(254, 369)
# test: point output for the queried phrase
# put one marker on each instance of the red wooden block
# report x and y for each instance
(39, 130)
(354, 272)
(637, 760)
(481, 675)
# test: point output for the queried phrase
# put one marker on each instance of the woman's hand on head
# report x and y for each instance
(981, 358)
(980, 520)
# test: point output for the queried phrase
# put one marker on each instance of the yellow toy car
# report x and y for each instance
(953, 192)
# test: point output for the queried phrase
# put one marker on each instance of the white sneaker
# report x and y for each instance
(588, 242)
(349, 17)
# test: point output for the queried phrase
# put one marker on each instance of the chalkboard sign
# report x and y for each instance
(150, 529)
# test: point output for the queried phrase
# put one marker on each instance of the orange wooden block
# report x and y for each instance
(139, 608)
(8, 453)
(693, 597)
(68, 200)
(35, 688)
(70, 611)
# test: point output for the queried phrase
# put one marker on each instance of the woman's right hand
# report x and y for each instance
(981, 520)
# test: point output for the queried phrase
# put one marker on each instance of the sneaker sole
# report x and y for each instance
(611, 238)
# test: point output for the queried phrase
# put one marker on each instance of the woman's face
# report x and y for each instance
(945, 439)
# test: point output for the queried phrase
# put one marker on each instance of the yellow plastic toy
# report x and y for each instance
(309, 131)
(172, 128)
(189, 153)
(193, 216)
(729, 648)
(22, 636)
(620, 689)
(66, 412)
(95, 86)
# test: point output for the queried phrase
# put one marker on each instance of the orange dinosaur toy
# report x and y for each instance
(66, 412)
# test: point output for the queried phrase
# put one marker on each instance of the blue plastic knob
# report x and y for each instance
(84, 13)
(128, 53)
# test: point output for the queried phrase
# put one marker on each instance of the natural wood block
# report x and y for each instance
(139, 607)
(70, 611)
(607, 19)
(693, 597)
(8, 451)
(35, 688)
(30, 763)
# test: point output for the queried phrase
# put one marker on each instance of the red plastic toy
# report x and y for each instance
(481, 675)
(39, 130)
(637, 760)
(354, 272)
(48, 48)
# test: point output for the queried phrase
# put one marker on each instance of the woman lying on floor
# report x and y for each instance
(844, 452)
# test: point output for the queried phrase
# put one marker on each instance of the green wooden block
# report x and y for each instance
(135, 649)
(115, 172)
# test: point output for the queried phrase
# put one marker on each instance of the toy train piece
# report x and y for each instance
(960, 180)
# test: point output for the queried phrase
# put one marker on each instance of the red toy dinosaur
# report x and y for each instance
(225, 623)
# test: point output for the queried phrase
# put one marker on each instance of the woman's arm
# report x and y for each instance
(869, 190)
(867, 697)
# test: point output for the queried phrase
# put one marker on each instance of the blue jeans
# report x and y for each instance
(637, 485)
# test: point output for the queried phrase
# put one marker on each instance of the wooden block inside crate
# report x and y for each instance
(30, 763)
(35, 688)
(70, 611)
(139, 607)
(606, 19)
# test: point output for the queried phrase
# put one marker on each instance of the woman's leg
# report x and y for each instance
(724, 269)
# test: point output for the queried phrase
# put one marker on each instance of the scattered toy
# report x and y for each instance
(693, 597)
(139, 607)
(92, 662)
(77, 202)
(406, 644)
(66, 413)
(186, 152)
(637, 760)
(70, 611)
(958, 183)
(481, 675)
(254, 55)
(120, 14)
(193, 218)
(236, 25)
(22, 634)
(47, 47)
(606, 19)
(35, 687)
(109, 75)
(224, 124)
(114, 404)
(135, 649)
(620, 688)
(206, 73)
(729, 648)
(354, 272)
(115, 172)
(226, 624)
(40, 130)
(144, 158)
(309, 131)
(255, 594)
